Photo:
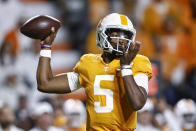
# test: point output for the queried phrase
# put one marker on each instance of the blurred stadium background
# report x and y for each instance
(166, 28)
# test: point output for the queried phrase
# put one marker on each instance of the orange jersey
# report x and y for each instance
(107, 106)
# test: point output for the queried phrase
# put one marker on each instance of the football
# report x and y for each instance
(39, 27)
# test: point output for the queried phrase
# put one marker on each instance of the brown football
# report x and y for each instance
(39, 27)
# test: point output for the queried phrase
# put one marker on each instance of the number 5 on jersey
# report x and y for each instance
(100, 91)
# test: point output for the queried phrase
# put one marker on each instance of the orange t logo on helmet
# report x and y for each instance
(123, 19)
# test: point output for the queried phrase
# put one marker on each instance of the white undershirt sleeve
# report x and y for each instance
(142, 80)
(73, 80)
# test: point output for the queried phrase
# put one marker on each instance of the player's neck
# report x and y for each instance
(107, 57)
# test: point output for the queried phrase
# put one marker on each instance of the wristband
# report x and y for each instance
(126, 72)
(45, 53)
(126, 67)
(46, 46)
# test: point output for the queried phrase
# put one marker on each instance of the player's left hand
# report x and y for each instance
(130, 55)
(49, 40)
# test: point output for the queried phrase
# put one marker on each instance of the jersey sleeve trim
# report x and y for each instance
(73, 80)
(142, 80)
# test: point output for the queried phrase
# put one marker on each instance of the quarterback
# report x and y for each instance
(115, 82)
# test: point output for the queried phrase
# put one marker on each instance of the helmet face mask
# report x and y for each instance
(120, 40)
(111, 43)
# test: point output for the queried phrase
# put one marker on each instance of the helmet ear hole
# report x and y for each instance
(106, 44)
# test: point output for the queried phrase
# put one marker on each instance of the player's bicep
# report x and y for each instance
(62, 83)
(57, 84)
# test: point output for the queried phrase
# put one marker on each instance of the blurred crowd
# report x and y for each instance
(166, 28)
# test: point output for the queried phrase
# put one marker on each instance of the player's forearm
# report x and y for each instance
(44, 72)
(136, 95)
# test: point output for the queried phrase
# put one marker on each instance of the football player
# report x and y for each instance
(76, 115)
(185, 110)
(115, 82)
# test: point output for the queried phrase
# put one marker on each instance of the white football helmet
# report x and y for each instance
(114, 21)
(185, 110)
